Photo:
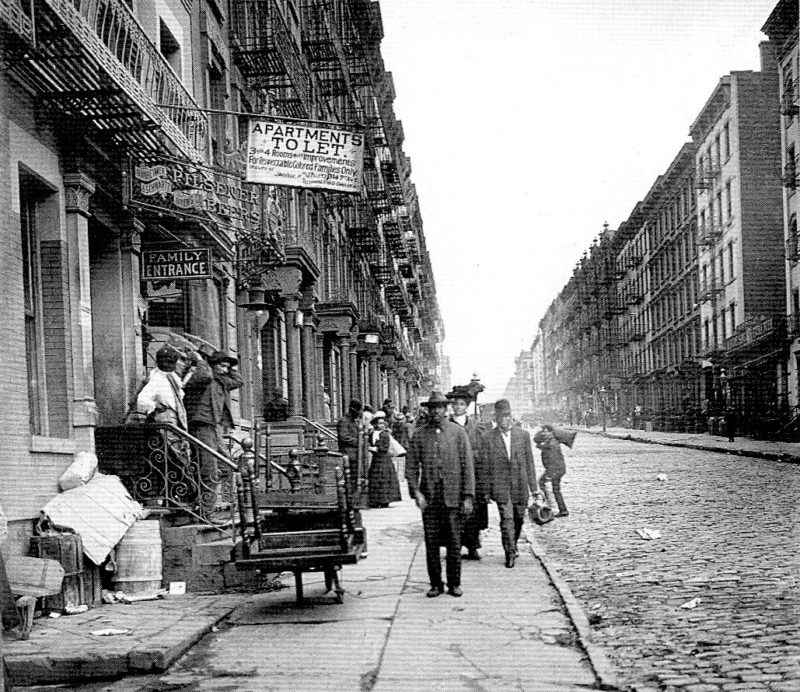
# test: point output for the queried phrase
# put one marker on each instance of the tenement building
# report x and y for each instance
(782, 29)
(127, 220)
(657, 266)
(741, 244)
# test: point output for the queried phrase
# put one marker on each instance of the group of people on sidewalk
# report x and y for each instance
(454, 467)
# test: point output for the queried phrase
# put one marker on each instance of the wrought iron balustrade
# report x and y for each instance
(18, 19)
(106, 33)
(160, 466)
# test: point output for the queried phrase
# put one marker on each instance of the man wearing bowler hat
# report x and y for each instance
(510, 456)
(441, 479)
(208, 409)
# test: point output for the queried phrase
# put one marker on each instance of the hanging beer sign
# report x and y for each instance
(310, 156)
(178, 263)
(187, 190)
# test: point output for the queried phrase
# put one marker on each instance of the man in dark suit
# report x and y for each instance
(208, 409)
(347, 435)
(441, 479)
(510, 455)
(460, 398)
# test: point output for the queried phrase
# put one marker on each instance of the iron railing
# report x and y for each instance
(111, 34)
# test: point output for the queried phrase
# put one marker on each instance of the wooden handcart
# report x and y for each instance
(305, 520)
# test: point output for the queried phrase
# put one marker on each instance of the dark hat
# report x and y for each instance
(167, 354)
(222, 356)
(355, 405)
(435, 399)
(460, 392)
(502, 407)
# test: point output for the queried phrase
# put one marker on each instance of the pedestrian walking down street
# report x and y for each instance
(730, 423)
(476, 522)
(382, 479)
(554, 465)
(510, 456)
(208, 408)
(347, 435)
(441, 479)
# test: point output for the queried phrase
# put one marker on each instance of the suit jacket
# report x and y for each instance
(483, 470)
(511, 478)
(207, 400)
(449, 449)
(347, 435)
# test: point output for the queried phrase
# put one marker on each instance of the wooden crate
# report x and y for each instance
(82, 579)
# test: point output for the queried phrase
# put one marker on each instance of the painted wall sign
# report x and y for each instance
(187, 190)
(182, 263)
(327, 158)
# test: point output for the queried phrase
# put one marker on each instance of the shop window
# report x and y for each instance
(169, 305)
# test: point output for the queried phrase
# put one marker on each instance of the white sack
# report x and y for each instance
(79, 472)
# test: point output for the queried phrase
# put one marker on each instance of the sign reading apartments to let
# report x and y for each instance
(298, 155)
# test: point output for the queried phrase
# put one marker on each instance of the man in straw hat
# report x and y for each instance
(510, 455)
(441, 479)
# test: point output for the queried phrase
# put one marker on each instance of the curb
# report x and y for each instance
(48, 668)
(757, 454)
(603, 669)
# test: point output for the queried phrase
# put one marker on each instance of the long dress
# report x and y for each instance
(383, 484)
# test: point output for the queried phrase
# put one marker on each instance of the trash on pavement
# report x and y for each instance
(108, 597)
(74, 610)
(648, 534)
(661, 477)
(100, 511)
(691, 604)
(109, 632)
(177, 588)
(54, 615)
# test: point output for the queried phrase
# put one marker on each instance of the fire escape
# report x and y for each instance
(268, 55)
(92, 64)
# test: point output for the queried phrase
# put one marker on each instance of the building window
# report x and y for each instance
(731, 273)
(721, 260)
(726, 141)
(733, 317)
(718, 151)
(169, 47)
(32, 291)
(706, 333)
(728, 201)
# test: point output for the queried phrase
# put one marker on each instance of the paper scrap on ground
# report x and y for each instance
(661, 477)
(691, 604)
(648, 534)
(109, 632)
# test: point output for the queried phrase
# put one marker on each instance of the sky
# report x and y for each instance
(531, 123)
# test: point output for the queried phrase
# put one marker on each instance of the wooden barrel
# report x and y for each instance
(139, 559)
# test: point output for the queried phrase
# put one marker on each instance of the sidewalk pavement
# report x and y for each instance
(510, 630)
(156, 634)
(742, 446)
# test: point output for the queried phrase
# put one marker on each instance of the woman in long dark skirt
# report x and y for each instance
(383, 484)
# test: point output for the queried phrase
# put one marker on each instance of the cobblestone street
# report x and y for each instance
(729, 537)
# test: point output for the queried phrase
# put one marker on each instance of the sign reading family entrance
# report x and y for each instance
(183, 263)
(327, 158)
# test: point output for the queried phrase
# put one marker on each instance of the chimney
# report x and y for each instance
(769, 57)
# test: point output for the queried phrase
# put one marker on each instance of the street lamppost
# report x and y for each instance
(602, 394)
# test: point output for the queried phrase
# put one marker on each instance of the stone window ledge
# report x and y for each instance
(52, 445)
